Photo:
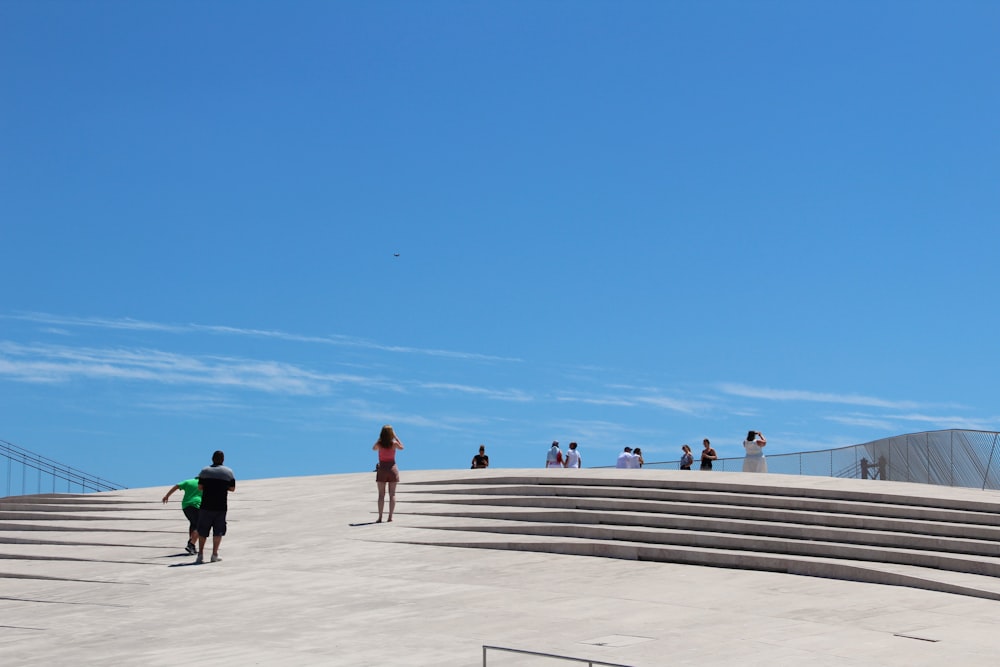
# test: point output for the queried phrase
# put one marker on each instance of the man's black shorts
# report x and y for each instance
(192, 515)
(214, 520)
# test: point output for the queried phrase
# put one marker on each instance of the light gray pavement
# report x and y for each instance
(307, 579)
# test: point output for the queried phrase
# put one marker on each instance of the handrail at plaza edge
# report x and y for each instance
(51, 469)
(554, 656)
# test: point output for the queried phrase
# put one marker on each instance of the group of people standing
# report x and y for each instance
(205, 504)
(753, 462)
(556, 459)
(630, 458)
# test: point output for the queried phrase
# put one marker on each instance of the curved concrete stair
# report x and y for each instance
(877, 534)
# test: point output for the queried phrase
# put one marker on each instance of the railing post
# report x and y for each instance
(989, 463)
(909, 473)
(927, 447)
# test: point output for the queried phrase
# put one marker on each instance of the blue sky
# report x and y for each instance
(620, 223)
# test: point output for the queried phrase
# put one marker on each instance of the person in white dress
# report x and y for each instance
(754, 446)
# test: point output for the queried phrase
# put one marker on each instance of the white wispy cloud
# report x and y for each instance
(55, 363)
(45, 363)
(129, 324)
(863, 421)
(769, 394)
(187, 404)
(616, 401)
(599, 436)
(404, 419)
(124, 323)
(677, 405)
(631, 400)
(889, 422)
(949, 421)
(498, 394)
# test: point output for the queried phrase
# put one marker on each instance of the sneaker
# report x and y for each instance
(199, 560)
(216, 558)
(190, 548)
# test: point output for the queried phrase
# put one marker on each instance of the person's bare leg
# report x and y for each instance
(216, 541)
(381, 501)
(201, 547)
(392, 500)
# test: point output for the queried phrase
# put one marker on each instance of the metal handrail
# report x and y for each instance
(555, 656)
(51, 469)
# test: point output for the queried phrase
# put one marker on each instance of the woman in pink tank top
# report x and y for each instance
(387, 473)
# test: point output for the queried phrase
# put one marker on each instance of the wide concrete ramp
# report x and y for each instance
(309, 579)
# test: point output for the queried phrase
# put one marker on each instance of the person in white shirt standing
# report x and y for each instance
(573, 458)
(625, 459)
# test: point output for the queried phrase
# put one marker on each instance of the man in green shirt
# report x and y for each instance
(189, 505)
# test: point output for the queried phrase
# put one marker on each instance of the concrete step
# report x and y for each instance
(866, 571)
(880, 533)
(66, 498)
(774, 529)
(791, 486)
(19, 504)
(861, 507)
(982, 565)
(708, 510)
(17, 515)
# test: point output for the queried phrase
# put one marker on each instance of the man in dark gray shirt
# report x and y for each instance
(215, 482)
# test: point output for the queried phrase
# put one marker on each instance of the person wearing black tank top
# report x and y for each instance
(707, 455)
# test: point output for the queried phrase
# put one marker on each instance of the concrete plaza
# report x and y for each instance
(307, 578)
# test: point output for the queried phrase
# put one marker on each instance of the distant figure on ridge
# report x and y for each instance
(190, 504)
(215, 482)
(480, 460)
(573, 458)
(387, 472)
(637, 460)
(687, 458)
(554, 457)
(707, 455)
(754, 460)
